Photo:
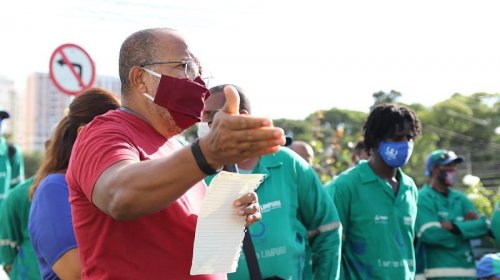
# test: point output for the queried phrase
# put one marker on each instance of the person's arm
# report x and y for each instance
(51, 228)
(429, 229)
(474, 227)
(68, 266)
(342, 201)
(10, 232)
(319, 215)
(130, 188)
(17, 167)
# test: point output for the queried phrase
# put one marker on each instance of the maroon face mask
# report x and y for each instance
(184, 99)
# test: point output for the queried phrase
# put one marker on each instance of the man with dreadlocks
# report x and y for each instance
(377, 202)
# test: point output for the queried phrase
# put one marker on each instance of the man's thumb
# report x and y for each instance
(232, 105)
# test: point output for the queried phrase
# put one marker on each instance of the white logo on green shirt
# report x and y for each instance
(443, 214)
(272, 252)
(379, 219)
(266, 207)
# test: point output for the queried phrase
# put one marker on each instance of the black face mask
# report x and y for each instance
(447, 177)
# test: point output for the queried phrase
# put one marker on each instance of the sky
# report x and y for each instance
(292, 57)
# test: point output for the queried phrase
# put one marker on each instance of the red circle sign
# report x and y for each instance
(71, 69)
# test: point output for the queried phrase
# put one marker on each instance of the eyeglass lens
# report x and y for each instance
(191, 70)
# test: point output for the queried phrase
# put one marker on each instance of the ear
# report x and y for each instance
(136, 77)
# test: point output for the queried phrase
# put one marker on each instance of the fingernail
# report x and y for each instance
(241, 212)
(237, 203)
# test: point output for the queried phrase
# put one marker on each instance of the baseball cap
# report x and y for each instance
(441, 157)
(488, 265)
(4, 114)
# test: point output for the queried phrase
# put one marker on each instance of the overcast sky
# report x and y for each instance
(292, 57)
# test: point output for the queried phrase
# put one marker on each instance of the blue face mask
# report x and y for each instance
(395, 154)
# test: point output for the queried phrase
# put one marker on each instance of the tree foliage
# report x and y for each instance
(385, 97)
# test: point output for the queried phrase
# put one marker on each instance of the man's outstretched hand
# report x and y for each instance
(234, 137)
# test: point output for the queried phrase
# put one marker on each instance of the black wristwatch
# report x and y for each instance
(201, 160)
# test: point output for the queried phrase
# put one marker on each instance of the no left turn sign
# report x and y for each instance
(71, 69)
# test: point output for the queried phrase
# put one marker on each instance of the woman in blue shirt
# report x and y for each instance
(50, 225)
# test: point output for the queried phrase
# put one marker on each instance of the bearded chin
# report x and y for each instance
(166, 119)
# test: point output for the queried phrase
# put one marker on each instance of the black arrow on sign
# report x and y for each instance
(76, 65)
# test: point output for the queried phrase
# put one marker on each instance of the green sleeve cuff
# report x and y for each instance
(472, 229)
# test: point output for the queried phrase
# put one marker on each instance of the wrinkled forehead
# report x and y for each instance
(173, 46)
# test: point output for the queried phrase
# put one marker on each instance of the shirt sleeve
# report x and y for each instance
(51, 229)
(471, 228)
(10, 233)
(321, 219)
(342, 200)
(428, 227)
(96, 150)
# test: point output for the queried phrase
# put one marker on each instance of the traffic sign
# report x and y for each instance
(71, 69)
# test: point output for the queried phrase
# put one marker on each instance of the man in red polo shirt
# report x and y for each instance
(135, 191)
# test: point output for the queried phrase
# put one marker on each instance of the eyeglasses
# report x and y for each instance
(191, 69)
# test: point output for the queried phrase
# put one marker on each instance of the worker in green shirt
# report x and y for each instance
(16, 252)
(11, 162)
(377, 202)
(446, 221)
(296, 213)
(495, 223)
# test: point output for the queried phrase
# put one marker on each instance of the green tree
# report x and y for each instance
(465, 124)
(483, 199)
(333, 130)
(297, 129)
(385, 97)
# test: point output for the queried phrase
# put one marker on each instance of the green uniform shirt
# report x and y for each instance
(295, 208)
(11, 171)
(495, 223)
(446, 254)
(15, 242)
(378, 225)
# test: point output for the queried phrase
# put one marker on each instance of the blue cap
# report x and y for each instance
(441, 157)
(488, 266)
